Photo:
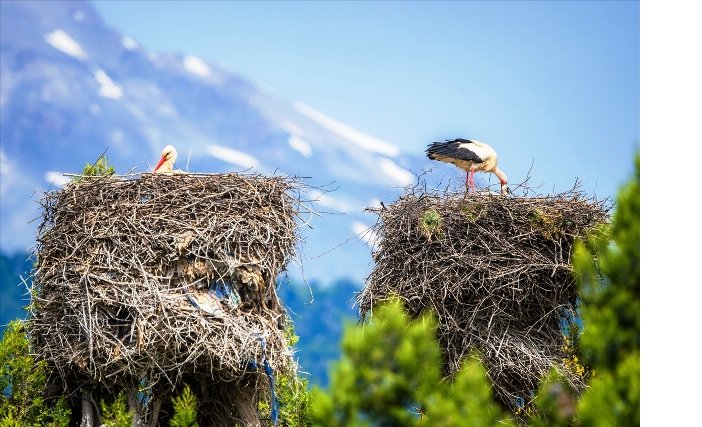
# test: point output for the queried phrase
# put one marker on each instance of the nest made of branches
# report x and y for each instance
(496, 271)
(152, 277)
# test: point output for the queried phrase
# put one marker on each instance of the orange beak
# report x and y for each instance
(160, 162)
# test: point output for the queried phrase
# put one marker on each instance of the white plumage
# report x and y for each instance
(470, 156)
(168, 158)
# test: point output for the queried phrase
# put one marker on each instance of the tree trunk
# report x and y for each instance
(134, 407)
(88, 417)
(246, 406)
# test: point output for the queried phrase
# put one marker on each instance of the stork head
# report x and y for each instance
(169, 155)
(504, 190)
(503, 181)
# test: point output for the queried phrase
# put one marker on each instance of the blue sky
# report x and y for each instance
(553, 83)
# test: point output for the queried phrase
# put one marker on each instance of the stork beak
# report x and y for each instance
(160, 162)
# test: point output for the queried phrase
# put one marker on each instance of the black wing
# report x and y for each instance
(453, 150)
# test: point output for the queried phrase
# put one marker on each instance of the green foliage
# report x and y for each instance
(294, 399)
(22, 381)
(101, 167)
(547, 223)
(474, 211)
(572, 361)
(468, 401)
(185, 409)
(292, 392)
(116, 414)
(389, 375)
(555, 403)
(608, 275)
(431, 224)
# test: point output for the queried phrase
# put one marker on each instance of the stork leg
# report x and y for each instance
(467, 180)
(472, 180)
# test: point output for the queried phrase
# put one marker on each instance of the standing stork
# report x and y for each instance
(470, 156)
(168, 158)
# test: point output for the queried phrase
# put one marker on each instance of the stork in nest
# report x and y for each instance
(471, 156)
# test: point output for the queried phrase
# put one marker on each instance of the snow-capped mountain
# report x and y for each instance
(70, 87)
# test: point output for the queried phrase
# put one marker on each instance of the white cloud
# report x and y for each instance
(63, 42)
(56, 178)
(330, 202)
(196, 66)
(354, 136)
(396, 173)
(108, 88)
(302, 146)
(365, 232)
(129, 43)
(232, 156)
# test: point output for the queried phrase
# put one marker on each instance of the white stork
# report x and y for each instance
(168, 158)
(471, 156)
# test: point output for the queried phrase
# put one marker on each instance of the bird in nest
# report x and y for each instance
(471, 156)
(168, 158)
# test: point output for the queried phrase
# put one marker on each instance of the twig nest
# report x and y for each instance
(496, 270)
(163, 275)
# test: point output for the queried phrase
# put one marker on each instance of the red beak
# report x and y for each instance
(160, 162)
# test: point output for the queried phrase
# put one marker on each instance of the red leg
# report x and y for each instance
(467, 180)
(472, 180)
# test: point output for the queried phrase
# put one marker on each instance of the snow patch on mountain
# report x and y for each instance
(234, 157)
(291, 127)
(365, 232)
(394, 172)
(60, 40)
(108, 88)
(56, 178)
(129, 43)
(374, 203)
(5, 167)
(354, 136)
(117, 137)
(197, 66)
(330, 202)
(300, 145)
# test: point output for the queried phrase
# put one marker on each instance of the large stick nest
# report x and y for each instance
(497, 272)
(163, 276)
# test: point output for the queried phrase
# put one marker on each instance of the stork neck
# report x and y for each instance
(501, 175)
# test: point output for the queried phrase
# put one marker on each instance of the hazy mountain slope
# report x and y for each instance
(72, 87)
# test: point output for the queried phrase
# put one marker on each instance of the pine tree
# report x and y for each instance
(608, 275)
(22, 381)
(116, 414)
(390, 375)
(292, 392)
(185, 408)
